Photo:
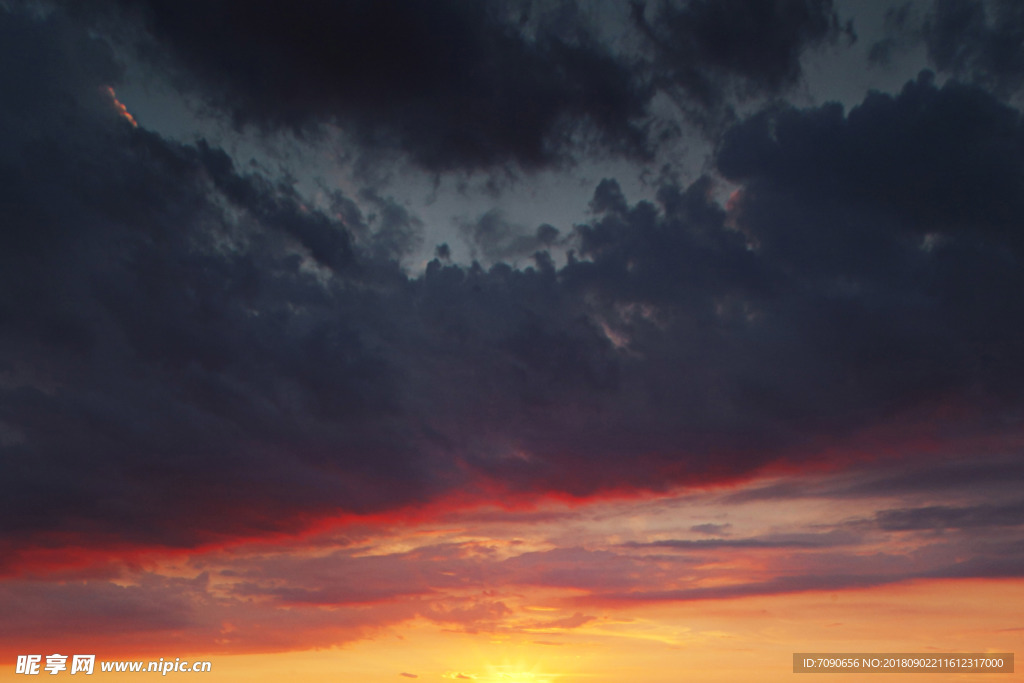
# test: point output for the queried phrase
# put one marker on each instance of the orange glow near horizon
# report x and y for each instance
(714, 585)
(728, 640)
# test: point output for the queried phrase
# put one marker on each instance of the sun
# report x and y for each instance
(517, 672)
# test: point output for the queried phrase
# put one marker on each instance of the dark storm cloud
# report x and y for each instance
(979, 41)
(453, 84)
(954, 158)
(163, 323)
(193, 354)
(896, 229)
(975, 41)
(281, 206)
(459, 85)
(705, 47)
(862, 286)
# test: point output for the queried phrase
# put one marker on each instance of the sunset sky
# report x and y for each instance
(523, 341)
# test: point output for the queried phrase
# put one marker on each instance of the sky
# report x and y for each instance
(521, 341)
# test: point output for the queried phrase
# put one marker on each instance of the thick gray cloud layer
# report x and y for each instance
(458, 85)
(191, 353)
(452, 84)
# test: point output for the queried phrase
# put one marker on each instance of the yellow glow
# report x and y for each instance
(724, 641)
